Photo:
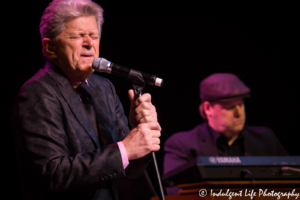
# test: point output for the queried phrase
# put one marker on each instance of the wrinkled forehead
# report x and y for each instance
(82, 23)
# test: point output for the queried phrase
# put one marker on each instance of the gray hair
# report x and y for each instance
(61, 11)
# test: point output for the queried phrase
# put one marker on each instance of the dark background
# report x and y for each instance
(182, 43)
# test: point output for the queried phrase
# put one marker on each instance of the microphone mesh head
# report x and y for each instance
(158, 82)
(101, 65)
(96, 64)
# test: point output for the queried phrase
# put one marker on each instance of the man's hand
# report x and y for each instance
(144, 137)
(141, 109)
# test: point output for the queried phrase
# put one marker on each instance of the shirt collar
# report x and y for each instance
(215, 135)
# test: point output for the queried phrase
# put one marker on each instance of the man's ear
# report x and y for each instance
(207, 108)
(48, 45)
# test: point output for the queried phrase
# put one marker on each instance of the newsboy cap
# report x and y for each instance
(222, 86)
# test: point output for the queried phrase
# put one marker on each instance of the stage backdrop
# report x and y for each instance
(182, 43)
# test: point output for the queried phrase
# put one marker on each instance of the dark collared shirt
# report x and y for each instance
(236, 149)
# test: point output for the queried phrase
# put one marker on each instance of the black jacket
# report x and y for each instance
(184, 146)
(58, 152)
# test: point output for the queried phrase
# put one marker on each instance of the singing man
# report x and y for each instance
(71, 135)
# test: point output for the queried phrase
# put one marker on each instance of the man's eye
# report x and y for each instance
(228, 107)
(94, 37)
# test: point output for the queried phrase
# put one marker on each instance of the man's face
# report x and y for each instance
(227, 117)
(76, 47)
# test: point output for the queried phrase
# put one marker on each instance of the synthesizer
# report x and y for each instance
(236, 168)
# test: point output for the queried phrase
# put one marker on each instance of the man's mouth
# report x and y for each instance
(238, 122)
(86, 55)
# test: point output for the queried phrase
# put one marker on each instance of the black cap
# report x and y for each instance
(222, 86)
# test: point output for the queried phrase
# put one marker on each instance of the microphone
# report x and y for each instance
(103, 65)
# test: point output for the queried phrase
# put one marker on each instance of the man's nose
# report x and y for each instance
(238, 110)
(87, 41)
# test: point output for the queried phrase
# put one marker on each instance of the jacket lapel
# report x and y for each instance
(72, 98)
(102, 115)
(207, 146)
(249, 143)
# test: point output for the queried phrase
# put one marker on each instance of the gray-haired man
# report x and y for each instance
(71, 134)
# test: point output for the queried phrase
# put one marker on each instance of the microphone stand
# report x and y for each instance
(138, 83)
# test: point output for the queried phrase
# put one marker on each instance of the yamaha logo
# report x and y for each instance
(229, 160)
